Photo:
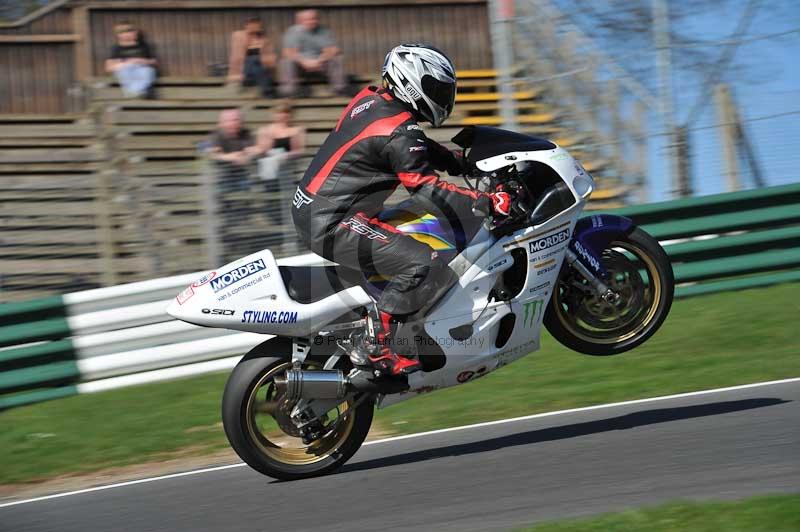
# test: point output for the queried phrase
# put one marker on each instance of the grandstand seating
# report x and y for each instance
(117, 194)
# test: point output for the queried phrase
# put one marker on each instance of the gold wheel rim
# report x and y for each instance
(276, 446)
(654, 284)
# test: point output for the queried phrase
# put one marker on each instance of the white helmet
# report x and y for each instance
(422, 77)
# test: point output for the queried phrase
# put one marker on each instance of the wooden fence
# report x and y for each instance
(50, 54)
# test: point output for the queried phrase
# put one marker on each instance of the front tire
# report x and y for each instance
(247, 407)
(580, 320)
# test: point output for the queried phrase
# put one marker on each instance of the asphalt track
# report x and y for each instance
(719, 445)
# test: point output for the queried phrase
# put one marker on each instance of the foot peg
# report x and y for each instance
(392, 364)
(373, 381)
(359, 350)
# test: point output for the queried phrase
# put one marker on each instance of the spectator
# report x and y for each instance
(253, 58)
(281, 134)
(231, 146)
(132, 62)
(281, 142)
(309, 51)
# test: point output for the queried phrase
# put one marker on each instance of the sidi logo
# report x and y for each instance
(236, 275)
(219, 311)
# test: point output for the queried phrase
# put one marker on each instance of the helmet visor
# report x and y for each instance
(442, 93)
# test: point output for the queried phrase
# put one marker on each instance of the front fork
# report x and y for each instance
(591, 236)
(601, 289)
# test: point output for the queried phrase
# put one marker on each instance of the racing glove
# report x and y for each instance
(501, 202)
(496, 203)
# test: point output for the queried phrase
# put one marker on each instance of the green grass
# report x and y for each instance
(778, 513)
(121, 427)
(707, 342)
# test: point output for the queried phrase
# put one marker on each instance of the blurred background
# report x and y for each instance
(118, 167)
(144, 141)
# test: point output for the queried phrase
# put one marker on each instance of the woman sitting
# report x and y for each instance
(252, 58)
(132, 62)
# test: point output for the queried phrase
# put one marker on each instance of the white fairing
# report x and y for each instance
(543, 247)
(249, 295)
(570, 170)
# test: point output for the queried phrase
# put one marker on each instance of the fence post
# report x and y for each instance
(612, 101)
(640, 143)
(102, 203)
(501, 18)
(661, 37)
(684, 161)
(105, 235)
(82, 54)
(726, 116)
(211, 211)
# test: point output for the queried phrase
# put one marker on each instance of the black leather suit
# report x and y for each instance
(376, 146)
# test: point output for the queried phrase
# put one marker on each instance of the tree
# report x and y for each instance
(624, 28)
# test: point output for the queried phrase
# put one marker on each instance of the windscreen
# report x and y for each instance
(484, 142)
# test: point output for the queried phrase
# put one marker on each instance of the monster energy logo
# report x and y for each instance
(532, 311)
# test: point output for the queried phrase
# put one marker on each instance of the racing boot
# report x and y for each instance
(382, 357)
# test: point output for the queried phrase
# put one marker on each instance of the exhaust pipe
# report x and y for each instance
(309, 384)
(333, 384)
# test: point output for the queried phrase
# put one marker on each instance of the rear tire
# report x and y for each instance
(240, 406)
(577, 320)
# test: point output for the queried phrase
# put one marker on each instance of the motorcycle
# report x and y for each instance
(297, 406)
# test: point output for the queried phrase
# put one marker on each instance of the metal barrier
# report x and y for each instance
(118, 336)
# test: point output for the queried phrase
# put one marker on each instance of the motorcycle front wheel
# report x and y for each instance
(639, 273)
(259, 429)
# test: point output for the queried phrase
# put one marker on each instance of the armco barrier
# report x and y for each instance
(119, 336)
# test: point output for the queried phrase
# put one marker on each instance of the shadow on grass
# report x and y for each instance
(576, 430)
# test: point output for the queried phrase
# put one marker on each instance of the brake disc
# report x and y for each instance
(283, 418)
(624, 280)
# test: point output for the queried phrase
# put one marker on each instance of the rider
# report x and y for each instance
(376, 146)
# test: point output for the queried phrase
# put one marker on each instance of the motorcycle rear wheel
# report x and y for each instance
(582, 321)
(257, 429)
